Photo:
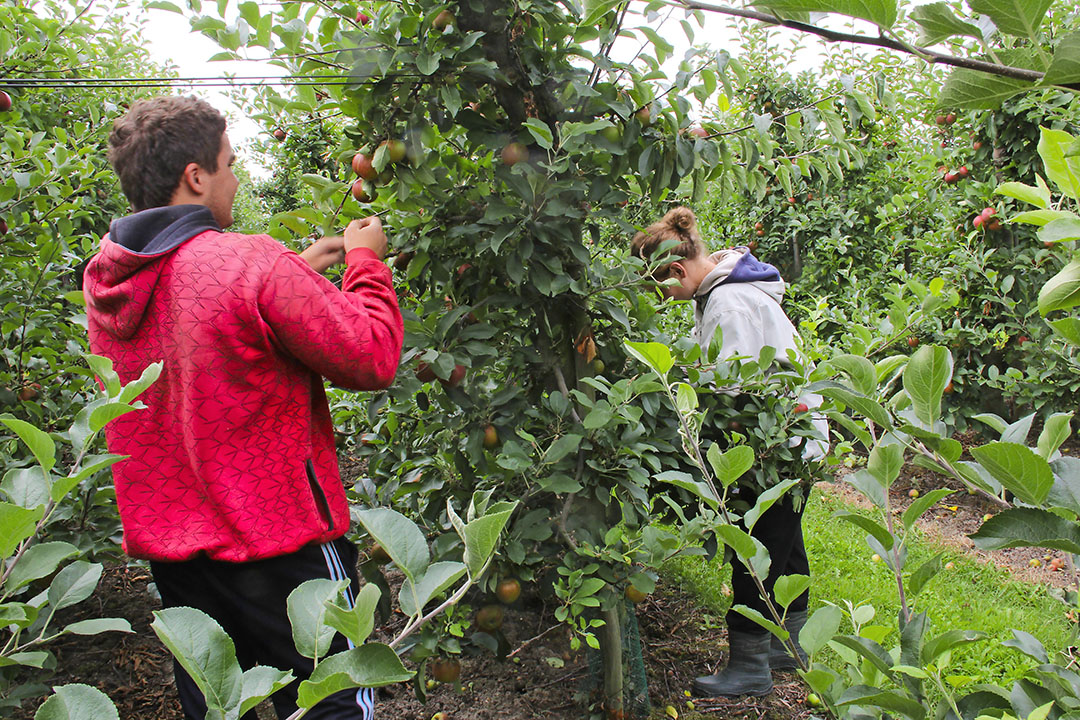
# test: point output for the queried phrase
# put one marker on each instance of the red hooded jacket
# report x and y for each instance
(234, 454)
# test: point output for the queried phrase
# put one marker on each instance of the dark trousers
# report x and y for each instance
(248, 601)
(780, 531)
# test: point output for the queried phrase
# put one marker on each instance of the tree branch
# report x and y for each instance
(931, 56)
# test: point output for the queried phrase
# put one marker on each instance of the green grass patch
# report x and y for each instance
(971, 595)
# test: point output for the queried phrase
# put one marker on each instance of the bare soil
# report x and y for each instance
(542, 678)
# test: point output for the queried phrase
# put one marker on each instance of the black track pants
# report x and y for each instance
(780, 531)
(248, 601)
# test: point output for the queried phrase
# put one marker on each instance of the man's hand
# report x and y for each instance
(324, 253)
(366, 233)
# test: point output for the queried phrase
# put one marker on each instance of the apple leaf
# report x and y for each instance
(1014, 17)
(1062, 291)
(880, 12)
(938, 22)
(1065, 66)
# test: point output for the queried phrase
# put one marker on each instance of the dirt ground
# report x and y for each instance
(543, 678)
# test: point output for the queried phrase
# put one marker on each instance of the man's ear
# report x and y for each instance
(193, 179)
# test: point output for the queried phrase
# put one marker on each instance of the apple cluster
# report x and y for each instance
(987, 220)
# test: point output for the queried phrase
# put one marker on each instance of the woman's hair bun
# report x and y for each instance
(682, 220)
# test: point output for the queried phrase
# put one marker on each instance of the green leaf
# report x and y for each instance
(1039, 217)
(1060, 230)
(1029, 645)
(880, 12)
(102, 367)
(686, 399)
(39, 442)
(925, 378)
(861, 404)
(1068, 328)
(561, 447)
(923, 575)
(766, 500)
(17, 524)
(371, 665)
(868, 485)
(1065, 66)
(1037, 196)
(885, 463)
(37, 562)
(1062, 170)
(96, 626)
(655, 355)
(95, 463)
(935, 648)
(1061, 292)
(820, 628)
(738, 540)
(1055, 431)
(876, 530)
(27, 487)
(687, 482)
(922, 504)
(438, 577)
(860, 370)
(356, 622)
(788, 588)
(752, 614)
(975, 90)
(1066, 490)
(77, 702)
(306, 608)
(481, 536)
(204, 650)
(1028, 527)
(729, 466)
(1014, 17)
(259, 683)
(938, 22)
(892, 702)
(1018, 469)
(540, 132)
(400, 537)
(870, 650)
(73, 584)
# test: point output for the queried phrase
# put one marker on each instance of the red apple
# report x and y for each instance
(3, 226)
(359, 192)
(395, 150)
(279, 134)
(644, 115)
(800, 408)
(950, 118)
(425, 373)
(443, 20)
(940, 119)
(1021, 340)
(912, 341)
(456, 376)
(361, 165)
(978, 221)
(699, 132)
(5, 101)
(976, 145)
(963, 171)
(514, 153)
(362, 18)
(791, 200)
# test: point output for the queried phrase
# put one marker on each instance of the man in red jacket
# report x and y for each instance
(232, 489)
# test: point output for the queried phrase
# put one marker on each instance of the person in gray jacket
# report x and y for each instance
(738, 295)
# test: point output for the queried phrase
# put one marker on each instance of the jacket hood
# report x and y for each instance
(119, 281)
(738, 265)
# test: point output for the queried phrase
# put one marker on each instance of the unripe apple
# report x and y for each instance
(699, 132)
(949, 565)
(491, 438)
(514, 153)
(987, 516)
(1034, 562)
(913, 493)
(395, 150)
(362, 18)
(443, 20)
(361, 165)
(612, 134)
(875, 558)
(5, 101)
(644, 116)
(489, 618)
(634, 595)
(359, 192)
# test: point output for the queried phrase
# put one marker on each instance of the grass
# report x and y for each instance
(971, 595)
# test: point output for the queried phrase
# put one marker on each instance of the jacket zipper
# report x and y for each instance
(319, 496)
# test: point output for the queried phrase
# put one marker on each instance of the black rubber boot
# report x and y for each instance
(747, 671)
(779, 656)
